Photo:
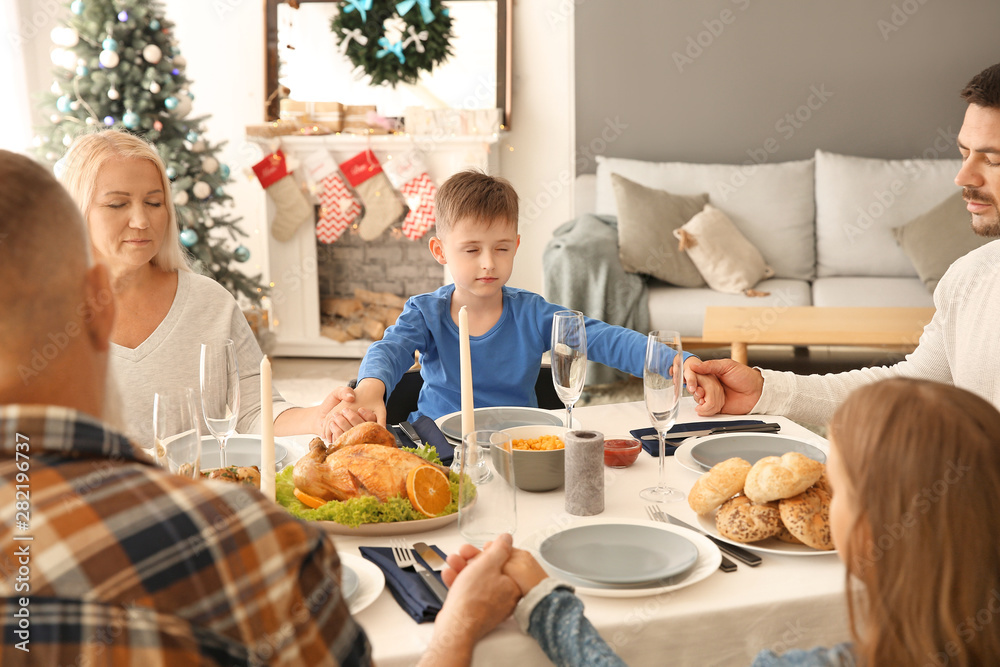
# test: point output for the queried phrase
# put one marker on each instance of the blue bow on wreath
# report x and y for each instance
(387, 48)
(425, 8)
(361, 5)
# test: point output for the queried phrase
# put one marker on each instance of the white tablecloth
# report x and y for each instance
(786, 602)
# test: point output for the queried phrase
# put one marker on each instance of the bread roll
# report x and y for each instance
(785, 535)
(741, 521)
(773, 477)
(807, 517)
(718, 485)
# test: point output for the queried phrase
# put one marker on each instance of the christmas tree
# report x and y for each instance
(118, 65)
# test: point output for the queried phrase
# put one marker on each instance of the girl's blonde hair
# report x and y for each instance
(923, 464)
(89, 153)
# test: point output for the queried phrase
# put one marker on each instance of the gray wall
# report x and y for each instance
(720, 80)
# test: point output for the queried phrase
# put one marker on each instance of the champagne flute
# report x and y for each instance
(220, 391)
(177, 431)
(662, 381)
(569, 358)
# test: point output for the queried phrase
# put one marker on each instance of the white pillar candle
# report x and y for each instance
(465, 359)
(266, 431)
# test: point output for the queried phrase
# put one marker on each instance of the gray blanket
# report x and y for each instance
(583, 272)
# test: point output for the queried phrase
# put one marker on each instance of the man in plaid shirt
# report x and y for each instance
(104, 557)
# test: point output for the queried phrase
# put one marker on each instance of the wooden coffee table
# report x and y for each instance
(810, 325)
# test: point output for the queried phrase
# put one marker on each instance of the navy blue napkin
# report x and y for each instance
(406, 586)
(432, 435)
(652, 447)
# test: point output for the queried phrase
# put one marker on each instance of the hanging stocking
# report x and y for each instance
(408, 174)
(291, 207)
(382, 206)
(338, 206)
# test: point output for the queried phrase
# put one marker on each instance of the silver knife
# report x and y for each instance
(430, 556)
(437, 588)
(770, 427)
(739, 553)
(411, 433)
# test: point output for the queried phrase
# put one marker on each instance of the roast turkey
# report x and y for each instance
(344, 471)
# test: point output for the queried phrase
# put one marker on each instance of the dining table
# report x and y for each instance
(788, 601)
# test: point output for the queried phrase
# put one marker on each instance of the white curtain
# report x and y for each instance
(15, 111)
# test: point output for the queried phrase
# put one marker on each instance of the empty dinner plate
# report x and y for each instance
(348, 582)
(241, 450)
(618, 553)
(498, 419)
(752, 447)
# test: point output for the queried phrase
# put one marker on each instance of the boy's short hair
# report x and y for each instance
(474, 194)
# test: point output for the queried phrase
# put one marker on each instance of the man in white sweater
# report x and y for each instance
(961, 345)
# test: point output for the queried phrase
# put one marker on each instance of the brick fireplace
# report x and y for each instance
(303, 271)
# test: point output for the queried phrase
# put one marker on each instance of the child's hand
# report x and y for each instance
(706, 389)
(367, 406)
(710, 396)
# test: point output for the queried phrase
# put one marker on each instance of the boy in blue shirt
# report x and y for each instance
(509, 328)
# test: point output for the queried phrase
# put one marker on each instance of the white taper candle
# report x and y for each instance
(266, 431)
(465, 360)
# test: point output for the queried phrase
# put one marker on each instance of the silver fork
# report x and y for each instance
(403, 556)
(656, 514)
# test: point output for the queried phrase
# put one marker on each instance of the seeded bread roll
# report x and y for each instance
(784, 535)
(718, 485)
(741, 521)
(824, 483)
(807, 517)
(773, 477)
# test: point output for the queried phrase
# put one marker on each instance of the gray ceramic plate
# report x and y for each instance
(714, 449)
(241, 450)
(623, 554)
(499, 419)
(348, 582)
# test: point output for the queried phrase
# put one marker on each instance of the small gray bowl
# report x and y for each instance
(538, 470)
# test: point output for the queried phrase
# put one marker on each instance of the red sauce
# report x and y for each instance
(621, 453)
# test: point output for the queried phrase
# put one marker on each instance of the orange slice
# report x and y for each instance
(306, 499)
(428, 490)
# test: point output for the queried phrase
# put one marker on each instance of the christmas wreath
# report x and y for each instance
(393, 41)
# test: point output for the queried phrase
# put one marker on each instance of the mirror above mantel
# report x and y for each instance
(303, 55)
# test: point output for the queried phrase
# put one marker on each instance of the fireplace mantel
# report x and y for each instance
(292, 265)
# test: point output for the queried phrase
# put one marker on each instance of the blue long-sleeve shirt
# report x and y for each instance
(505, 360)
(569, 640)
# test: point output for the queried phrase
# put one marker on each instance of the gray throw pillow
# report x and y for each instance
(937, 238)
(647, 219)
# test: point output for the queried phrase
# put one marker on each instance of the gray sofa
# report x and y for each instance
(824, 225)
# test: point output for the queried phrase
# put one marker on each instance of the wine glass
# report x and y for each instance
(662, 381)
(177, 431)
(220, 391)
(569, 358)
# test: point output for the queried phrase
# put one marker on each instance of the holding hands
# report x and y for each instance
(735, 387)
(708, 393)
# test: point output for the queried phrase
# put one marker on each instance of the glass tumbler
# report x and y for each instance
(487, 504)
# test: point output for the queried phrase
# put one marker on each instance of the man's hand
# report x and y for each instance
(742, 385)
(366, 405)
(339, 413)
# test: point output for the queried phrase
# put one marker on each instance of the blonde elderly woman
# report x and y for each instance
(165, 310)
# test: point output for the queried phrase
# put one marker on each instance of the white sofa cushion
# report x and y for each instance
(875, 292)
(683, 308)
(859, 201)
(772, 204)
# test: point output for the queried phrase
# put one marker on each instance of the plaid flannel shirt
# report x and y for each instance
(105, 559)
